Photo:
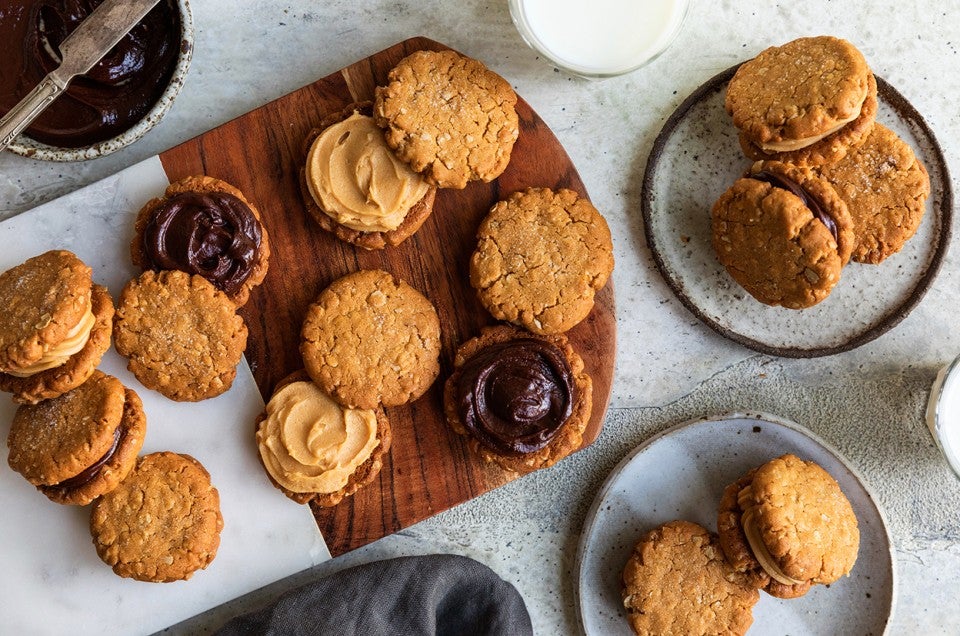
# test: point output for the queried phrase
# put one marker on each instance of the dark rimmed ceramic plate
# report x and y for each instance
(681, 474)
(697, 156)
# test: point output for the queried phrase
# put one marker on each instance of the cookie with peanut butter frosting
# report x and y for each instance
(806, 102)
(449, 117)
(787, 525)
(203, 225)
(181, 335)
(783, 234)
(370, 339)
(677, 582)
(315, 450)
(355, 187)
(79, 445)
(55, 326)
(162, 523)
(522, 400)
(540, 258)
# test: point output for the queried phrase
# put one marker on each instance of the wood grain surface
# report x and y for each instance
(430, 468)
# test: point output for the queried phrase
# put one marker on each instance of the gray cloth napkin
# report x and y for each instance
(433, 594)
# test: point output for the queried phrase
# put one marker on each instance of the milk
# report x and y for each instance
(599, 37)
(943, 413)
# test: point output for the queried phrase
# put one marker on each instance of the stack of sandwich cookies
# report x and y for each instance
(315, 450)
(523, 400)
(204, 226)
(354, 186)
(54, 328)
(80, 445)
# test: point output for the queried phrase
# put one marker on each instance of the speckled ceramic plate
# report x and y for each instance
(696, 157)
(681, 474)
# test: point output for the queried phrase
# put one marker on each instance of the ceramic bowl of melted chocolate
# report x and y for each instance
(122, 97)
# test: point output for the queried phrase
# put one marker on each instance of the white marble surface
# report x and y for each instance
(868, 402)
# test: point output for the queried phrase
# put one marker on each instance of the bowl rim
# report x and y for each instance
(24, 146)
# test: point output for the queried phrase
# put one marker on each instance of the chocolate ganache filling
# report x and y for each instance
(515, 396)
(114, 95)
(213, 234)
(788, 184)
(91, 472)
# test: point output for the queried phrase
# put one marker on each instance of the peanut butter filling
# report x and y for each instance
(760, 552)
(357, 180)
(797, 144)
(309, 443)
(57, 355)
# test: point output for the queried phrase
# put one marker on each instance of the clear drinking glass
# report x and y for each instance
(943, 413)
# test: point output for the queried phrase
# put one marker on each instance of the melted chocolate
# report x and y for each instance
(213, 234)
(788, 184)
(117, 92)
(91, 472)
(515, 396)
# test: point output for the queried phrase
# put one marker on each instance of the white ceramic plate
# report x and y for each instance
(681, 474)
(697, 156)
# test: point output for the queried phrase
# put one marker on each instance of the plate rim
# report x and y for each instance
(590, 517)
(889, 320)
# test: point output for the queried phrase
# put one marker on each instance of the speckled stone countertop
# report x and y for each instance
(868, 403)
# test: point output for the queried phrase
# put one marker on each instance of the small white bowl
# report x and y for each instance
(943, 413)
(27, 147)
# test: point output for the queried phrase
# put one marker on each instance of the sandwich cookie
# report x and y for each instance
(355, 187)
(202, 225)
(788, 526)
(54, 328)
(783, 234)
(522, 400)
(162, 523)
(677, 582)
(315, 450)
(79, 445)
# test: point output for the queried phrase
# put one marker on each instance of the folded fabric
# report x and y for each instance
(434, 594)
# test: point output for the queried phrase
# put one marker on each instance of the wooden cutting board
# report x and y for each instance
(430, 468)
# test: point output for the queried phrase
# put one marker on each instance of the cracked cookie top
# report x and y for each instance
(371, 339)
(449, 117)
(541, 255)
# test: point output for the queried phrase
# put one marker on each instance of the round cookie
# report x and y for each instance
(783, 234)
(162, 523)
(541, 255)
(54, 328)
(296, 463)
(80, 445)
(181, 335)
(522, 400)
(449, 117)
(370, 339)
(202, 225)
(885, 188)
(676, 582)
(790, 97)
(363, 237)
(787, 525)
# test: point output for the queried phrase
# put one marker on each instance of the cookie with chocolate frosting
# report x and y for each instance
(787, 525)
(783, 234)
(540, 258)
(676, 582)
(449, 117)
(54, 328)
(162, 523)
(202, 225)
(807, 101)
(315, 450)
(181, 335)
(79, 445)
(523, 400)
(885, 188)
(355, 187)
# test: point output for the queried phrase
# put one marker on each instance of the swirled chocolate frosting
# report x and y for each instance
(515, 396)
(213, 234)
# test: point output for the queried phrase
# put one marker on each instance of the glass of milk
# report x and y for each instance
(943, 413)
(598, 38)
